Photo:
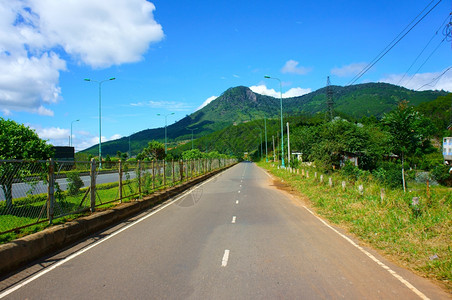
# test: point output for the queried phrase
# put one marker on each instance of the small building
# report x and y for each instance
(351, 157)
(298, 155)
(447, 149)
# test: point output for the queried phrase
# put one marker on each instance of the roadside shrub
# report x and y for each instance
(442, 174)
(389, 174)
(74, 182)
(351, 171)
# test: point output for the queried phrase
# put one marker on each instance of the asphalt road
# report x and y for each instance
(234, 237)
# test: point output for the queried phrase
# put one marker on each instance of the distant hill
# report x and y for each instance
(240, 104)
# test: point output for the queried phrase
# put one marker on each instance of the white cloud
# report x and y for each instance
(53, 133)
(291, 66)
(423, 81)
(208, 100)
(101, 33)
(36, 34)
(115, 137)
(26, 84)
(80, 139)
(293, 92)
(168, 105)
(263, 90)
(348, 70)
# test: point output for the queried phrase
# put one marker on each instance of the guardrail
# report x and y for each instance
(34, 192)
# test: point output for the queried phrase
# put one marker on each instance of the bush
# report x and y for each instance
(443, 175)
(389, 174)
(74, 182)
(350, 170)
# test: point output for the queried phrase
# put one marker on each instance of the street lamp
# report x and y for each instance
(282, 128)
(261, 143)
(265, 124)
(100, 115)
(192, 136)
(165, 126)
(70, 140)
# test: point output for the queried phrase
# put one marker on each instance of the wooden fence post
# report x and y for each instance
(172, 168)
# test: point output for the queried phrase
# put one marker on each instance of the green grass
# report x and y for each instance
(408, 235)
(29, 210)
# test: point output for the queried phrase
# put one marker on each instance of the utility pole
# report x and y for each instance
(288, 143)
(274, 153)
(266, 155)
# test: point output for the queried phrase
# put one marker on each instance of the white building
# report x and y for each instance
(447, 149)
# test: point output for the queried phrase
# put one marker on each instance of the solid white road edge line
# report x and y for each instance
(393, 273)
(74, 255)
(224, 262)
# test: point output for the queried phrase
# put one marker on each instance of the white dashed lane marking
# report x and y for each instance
(224, 262)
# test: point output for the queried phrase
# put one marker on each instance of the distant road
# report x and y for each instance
(234, 237)
(21, 189)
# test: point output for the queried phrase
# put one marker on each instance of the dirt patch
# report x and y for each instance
(293, 194)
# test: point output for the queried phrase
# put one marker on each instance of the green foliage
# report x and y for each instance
(439, 111)
(154, 151)
(351, 171)
(240, 105)
(327, 143)
(389, 174)
(410, 131)
(408, 233)
(75, 183)
(192, 154)
(443, 174)
(18, 142)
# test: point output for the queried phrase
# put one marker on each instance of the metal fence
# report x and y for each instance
(33, 192)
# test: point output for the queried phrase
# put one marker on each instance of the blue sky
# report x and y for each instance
(173, 56)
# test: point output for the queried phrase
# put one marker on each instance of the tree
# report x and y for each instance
(154, 151)
(192, 154)
(329, 142)
(410, 132)
(18, 142)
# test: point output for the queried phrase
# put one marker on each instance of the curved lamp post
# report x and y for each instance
(165, 126)
(100, 116)
(70, 140)
(282, 128)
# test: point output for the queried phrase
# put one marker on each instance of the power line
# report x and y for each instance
(419, 55)
(380, 56)
(382, 51)
(417, 71)
(435, 79)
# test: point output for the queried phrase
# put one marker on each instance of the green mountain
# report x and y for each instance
(240, 105)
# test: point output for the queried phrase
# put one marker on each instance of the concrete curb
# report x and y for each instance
(20, 252)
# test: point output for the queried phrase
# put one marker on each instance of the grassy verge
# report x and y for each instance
(30, 210)
(418, 237)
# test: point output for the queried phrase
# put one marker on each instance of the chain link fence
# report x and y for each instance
(33, 192)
